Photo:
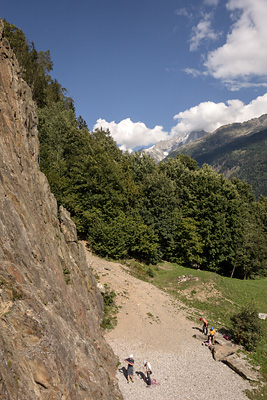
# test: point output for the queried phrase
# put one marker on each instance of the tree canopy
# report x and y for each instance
(126, 205)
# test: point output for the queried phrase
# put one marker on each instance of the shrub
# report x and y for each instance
(150, 272)
(110, 309)
(246, 327)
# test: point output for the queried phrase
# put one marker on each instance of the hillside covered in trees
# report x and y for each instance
(237, 150)
(126, 205)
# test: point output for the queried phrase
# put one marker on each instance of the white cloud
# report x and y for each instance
(244, 55)
(202, 31)
(210, 116)
(211, 2)
(130, 134)
(206, 116)
(192, 71)
(183, 12)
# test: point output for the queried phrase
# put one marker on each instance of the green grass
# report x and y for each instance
(140, 271)
(217, 298)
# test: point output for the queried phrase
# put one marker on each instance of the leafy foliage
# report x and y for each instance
(126, 205)
(246, 327)
(110, 309)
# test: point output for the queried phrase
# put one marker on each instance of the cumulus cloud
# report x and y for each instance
(206, 116)
(203, 31)
(243, 56)
(209, 116)
(128, 134)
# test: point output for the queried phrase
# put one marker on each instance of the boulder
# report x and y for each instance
(101, 288)
(241, 367)
(220, 339)
(200, 337)
(225, 351)
(220, 352)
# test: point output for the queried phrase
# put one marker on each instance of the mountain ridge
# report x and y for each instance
(223, 134)
(236, 150)
(161, 149)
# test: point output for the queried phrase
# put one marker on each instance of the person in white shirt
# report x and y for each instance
(148, 371)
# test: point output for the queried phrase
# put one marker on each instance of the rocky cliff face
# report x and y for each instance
(50, 343)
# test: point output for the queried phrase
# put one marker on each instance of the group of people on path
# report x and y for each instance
(146, 364)
(130, 370)
(212, 332)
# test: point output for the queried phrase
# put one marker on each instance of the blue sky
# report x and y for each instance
(152, 69)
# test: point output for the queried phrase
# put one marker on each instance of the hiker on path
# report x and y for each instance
(211, 337)
(205, 326)
(130, 368)
(148, 371)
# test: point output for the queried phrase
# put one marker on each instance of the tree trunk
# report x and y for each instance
(233, 270)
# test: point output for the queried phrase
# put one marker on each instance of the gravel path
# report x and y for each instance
(190, 375)
(152, 326)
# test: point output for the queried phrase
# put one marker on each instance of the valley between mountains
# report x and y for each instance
(153, 326)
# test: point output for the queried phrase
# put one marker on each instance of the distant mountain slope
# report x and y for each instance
(163, 148)
(239, 150)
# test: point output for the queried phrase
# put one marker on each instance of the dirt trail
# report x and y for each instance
(152, 326)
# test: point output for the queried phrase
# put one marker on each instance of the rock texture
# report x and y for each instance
(240, 366)
(50, 308)
(227, 353)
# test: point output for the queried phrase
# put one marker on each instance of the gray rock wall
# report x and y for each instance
(51, 346)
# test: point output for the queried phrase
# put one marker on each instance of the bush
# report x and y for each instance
(246, 327)
(150, 272)
(110, 309)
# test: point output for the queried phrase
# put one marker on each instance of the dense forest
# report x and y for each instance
(126, 205)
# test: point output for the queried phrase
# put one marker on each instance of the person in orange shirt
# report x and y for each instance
(205, 326)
